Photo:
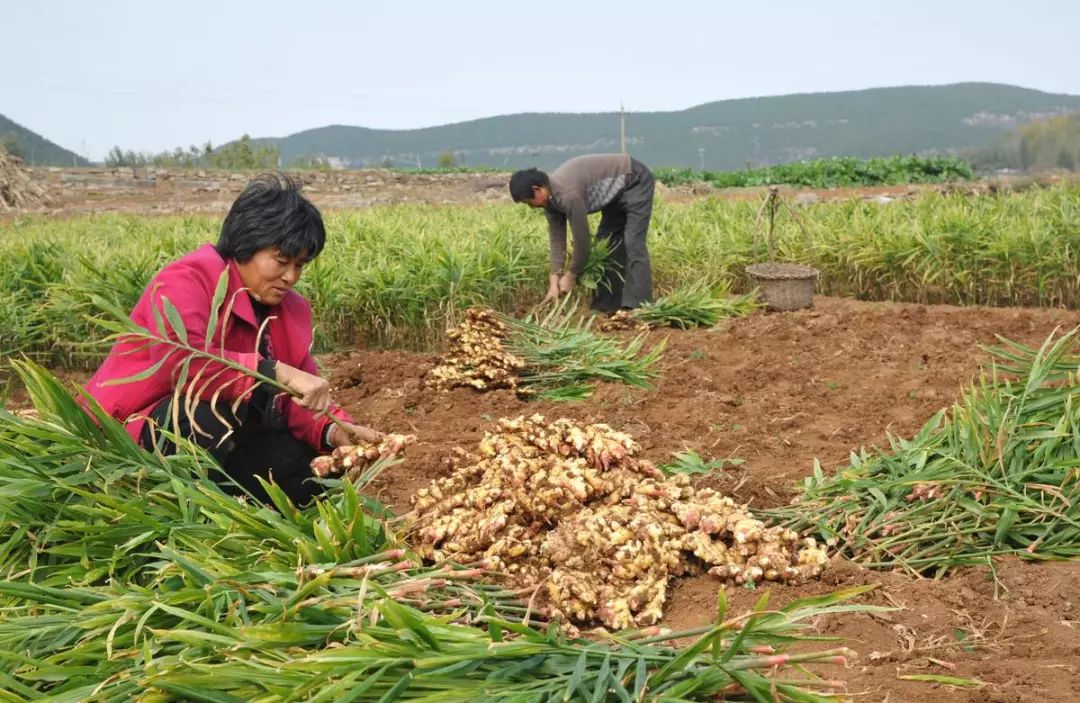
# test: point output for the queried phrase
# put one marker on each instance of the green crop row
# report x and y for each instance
(397, 275)
(829, 173)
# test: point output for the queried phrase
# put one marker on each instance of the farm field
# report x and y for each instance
(834, 172)
(897, 334)
(397, 275)
(158, 191)
(776, 391)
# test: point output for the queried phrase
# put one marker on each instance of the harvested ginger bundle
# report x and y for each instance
(572, 509)
(352, 460)
(477, 356)
(622, 320)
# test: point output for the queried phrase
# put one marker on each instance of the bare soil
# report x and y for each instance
(159, 191)
(778, 391)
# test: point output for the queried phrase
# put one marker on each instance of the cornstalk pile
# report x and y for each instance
(128, 576)
(557, 357)
(693, 306)
(17, 190)
(997, 476)
(573, 507)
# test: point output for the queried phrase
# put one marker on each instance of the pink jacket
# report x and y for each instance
(189, 284)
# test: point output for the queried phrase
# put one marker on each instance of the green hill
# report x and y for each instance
(876, 122)
(34, 148)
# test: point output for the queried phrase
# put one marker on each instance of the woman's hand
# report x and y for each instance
(348, 433)
(311, 391)
(395, 444)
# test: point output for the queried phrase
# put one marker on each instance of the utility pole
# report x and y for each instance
(701, 157)
(622, 129)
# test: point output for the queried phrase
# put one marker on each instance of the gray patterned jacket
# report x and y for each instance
(581, 185)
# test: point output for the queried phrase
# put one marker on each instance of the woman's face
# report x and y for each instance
(269, 275)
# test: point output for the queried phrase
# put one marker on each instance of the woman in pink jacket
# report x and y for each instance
(269, 235)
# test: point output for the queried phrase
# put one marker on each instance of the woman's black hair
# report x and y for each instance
(522, 182)
(271, 213)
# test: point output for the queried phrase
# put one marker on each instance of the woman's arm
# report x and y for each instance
(308, 426)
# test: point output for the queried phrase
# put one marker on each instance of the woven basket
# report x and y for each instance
(784, 286)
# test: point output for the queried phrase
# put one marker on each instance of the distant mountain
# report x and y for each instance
(876, 122)
(34, 148)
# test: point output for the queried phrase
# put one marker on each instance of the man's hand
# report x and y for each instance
(553, 289)
(311, 391)
(566, 283)
(559, 285)
(355, 434)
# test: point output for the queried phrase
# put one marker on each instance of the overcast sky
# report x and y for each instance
(150, 76)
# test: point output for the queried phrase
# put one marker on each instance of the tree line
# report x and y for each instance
(241, 154)
(1038, 146)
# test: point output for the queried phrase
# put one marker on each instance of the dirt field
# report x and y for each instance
(778, 391)
(154, 191)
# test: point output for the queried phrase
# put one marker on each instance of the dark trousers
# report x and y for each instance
(624, 224)
(256, 448)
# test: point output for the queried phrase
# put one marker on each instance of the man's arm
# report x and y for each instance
(577, 215)
(557, 239)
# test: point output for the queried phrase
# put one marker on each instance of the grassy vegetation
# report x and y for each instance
(128, 576)
(399, 274)
(695, 306)
(564, 358)
(996, 475)
(828, 173)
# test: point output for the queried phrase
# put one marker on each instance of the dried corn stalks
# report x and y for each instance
(572, 508)
(352, 460)
(17, 190)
